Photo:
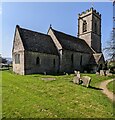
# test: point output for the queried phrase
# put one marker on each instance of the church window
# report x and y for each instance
(54, 62)
(81, 61)
(72, 59)
(17, 59)
(84, 26)
(37, 61)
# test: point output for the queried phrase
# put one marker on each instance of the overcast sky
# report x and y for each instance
(38, 17)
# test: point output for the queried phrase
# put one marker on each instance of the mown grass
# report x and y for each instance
(111, 85)
(31, 97)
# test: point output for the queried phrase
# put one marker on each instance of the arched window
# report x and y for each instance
(84, 26)
(37, 61)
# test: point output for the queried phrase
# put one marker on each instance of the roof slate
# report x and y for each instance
(72, 43)
(37, 42)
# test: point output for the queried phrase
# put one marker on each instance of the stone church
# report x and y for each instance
(58, 52)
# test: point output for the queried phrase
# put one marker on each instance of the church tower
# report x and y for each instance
(89, 28)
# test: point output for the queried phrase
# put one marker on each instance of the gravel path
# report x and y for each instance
(103, 86)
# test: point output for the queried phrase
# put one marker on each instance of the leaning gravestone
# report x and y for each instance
(86, 81)
(102, 72)
(108, 73)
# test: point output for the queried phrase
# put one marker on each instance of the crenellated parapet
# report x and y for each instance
(88, 11)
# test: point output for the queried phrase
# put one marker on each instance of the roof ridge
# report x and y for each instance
(34, 31)
(68, 35)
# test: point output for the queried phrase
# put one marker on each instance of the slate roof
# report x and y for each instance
(72, 43)
(37, 42)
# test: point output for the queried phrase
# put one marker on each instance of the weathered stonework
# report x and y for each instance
(46, 64)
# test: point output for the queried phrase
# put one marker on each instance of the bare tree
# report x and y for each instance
(110, 47)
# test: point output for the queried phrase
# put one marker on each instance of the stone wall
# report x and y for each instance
(73, 61)
(46, 63)
(18, 49)
(19, 68)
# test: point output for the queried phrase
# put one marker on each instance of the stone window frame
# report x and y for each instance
(17, 58)
(84, 26)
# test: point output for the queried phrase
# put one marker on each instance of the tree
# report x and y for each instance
(110, 47)
(4, 60)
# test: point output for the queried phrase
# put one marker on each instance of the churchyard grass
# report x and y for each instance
(32, 97)
(110, 86)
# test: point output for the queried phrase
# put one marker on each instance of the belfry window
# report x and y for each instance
(17, 59)
(84, 26)
(37, 61)
(95, 27)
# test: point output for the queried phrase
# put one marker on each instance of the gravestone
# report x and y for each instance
(44, 73)
(102, 72)
(108, 73)
(86, 81)
(75, 72)
(97, 73)
(76, 80)
(85, 71)
(78, 74)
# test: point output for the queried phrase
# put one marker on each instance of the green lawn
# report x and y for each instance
(110, 86)
(31, 97)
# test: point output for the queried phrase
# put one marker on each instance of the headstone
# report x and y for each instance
(78, 74)
(102, 72)
(66, 73)
(91, 71)
(44, 73)
(86, 81)
(85, 71)
(75, 72)
(97, 73)
(108, 72)
(76, 80)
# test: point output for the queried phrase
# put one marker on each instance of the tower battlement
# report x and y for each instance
(88, 11)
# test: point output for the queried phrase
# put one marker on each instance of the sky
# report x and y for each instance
(38, 16)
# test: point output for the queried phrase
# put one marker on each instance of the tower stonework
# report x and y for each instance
(89, 28)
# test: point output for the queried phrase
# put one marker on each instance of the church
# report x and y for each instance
(57, 52)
